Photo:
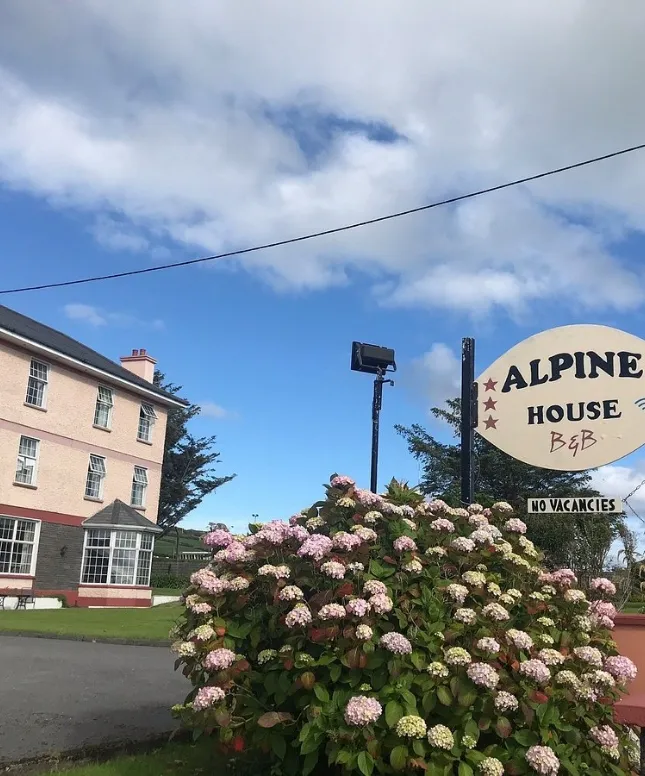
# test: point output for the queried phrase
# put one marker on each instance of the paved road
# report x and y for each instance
(59, 695)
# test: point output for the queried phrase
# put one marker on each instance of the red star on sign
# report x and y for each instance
(491, 422)
(490, 404)
(490, 384)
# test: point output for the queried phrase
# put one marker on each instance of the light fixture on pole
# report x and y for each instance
(374, 360)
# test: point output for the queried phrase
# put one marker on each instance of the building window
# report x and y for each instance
(103, 409)
(147, 417)
(18, 542)
(117, 557)
(139, 487)
(27, 460)
(95, 477)
(37, 385)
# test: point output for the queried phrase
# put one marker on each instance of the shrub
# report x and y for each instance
(169, 581)
(382, 638)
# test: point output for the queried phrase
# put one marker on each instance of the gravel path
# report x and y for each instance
(60, 695)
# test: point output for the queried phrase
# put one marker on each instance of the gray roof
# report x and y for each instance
(40, 334)
(120, 514)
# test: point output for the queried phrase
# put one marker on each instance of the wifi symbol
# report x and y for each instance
(640, 403)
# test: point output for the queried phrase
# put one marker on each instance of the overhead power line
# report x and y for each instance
(325, 232)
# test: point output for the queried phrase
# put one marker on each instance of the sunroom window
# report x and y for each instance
(117, 557)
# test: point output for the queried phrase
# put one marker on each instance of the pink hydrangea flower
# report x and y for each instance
(515, 525)
(502, 507)
(563, 578)
(437, 506)
(332, 612)
(603, 609)
(298, 616)
(483, 675)
(207, 697)
(361, 711)
(345, 541)
(234, 553)
(274, 532)
(342, 481)
(603, 585)
(519, 638)
(462, 544)
(495, 612)
(589, 655)
(367, 499)
(364, 632)
(543, 760)
(358, 607)
(365, 534)
(381, 604)
(218, 538)
(291, 593)
(504, 701)
(457, 593)
(396, 643)
(333, 569)
(605, 736)
(536, 670)
(315, 547)
(219, 660)
(209, 582)
(621, 668)
(298, 532)
(442, 525)
(488, 644)
(404, 544)
(374, 587)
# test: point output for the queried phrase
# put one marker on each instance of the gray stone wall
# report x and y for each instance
(60, 555)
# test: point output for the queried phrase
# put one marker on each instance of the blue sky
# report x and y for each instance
(131, 138)
(276, 364)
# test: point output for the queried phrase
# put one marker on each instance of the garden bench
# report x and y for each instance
(630, 710)
(23, 597)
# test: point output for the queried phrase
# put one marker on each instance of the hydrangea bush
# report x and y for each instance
(366, 636)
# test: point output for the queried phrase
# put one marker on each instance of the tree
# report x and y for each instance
(187, 475)
(581, 542)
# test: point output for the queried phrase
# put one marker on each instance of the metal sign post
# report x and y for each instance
(468, 418)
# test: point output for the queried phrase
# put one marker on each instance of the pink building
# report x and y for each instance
(81, 450)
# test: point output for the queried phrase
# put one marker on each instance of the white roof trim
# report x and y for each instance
(153, 527)
(82, 367)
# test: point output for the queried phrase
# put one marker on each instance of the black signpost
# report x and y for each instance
(468, 418)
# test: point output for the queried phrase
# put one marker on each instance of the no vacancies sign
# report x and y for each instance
(570, 398)
(574, 506)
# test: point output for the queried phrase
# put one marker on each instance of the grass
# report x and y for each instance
(173, 759)
(150, 624)
(166, 591)
(633, 607)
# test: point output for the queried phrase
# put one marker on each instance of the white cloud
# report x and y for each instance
(619, 480)
(96, 316)
(436, 375)
(211, 410)
(189, 151)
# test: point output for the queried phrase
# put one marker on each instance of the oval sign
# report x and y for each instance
(570, 398)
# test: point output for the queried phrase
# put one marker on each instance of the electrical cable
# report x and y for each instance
(325, 232)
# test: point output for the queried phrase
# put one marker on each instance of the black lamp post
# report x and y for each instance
(374, 360)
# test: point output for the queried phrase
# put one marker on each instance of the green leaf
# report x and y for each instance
(467, 696)
(320, 691)
(393, 713)
(310, 745)
(471, 729)
(526, 738)
(465, 769)
(365, 763)
(399, 757)
(335, 672)
(444, 695)
(419, 748)
(429, 702)
(279, 746)
(273, 718)
(417, 660)
(310, 762)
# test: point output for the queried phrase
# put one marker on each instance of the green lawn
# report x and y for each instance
(166, 591)
(150, 624)
(633, 607)
(170, 760)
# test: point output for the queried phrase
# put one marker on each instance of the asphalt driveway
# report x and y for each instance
(59, 695)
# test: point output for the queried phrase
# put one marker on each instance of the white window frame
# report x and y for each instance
(34, 478)
(45, 383)
(142, 473)
(100, 402)
(146, 413)
(112, 548)
(34, 546)
(102, 474)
